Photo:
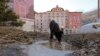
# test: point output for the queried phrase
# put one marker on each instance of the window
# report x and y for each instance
(41, 16)
(70, 31)
(41, 20)
(41, 23)
(41, 27)
(37, 26)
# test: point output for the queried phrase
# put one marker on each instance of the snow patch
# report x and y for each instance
(89, 28)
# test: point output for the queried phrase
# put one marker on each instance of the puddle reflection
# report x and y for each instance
(46, 48)
(55, 45)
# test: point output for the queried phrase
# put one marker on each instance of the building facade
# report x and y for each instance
(24, 8)
(74, 22)
(28, 25)
(61, 16)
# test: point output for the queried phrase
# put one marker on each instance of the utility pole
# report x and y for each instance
(34, 22)
(98, 9)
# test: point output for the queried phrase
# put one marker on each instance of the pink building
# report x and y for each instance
(24, 8)
(74, 21)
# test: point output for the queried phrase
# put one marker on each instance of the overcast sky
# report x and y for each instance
(71, 5)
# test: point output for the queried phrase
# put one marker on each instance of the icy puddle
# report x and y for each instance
(44, 48)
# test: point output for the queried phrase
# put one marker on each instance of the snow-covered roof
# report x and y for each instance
(90, 28)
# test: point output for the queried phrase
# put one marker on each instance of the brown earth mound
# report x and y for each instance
(88, 44)
(10, 35)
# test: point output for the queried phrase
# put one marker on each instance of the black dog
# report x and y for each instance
(55, 30)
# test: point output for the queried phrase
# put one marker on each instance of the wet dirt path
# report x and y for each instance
(45, 48)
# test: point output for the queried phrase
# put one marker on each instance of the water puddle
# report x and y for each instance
(55, 45)
(44, 48)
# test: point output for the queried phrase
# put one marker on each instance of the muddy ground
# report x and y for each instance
(11, 39)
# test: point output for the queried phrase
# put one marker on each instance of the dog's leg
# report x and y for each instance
(51, 37)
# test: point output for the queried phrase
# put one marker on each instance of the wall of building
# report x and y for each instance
(29, 24)
(24, 8)
(74, 21)
(42, 22)
(69, 21)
